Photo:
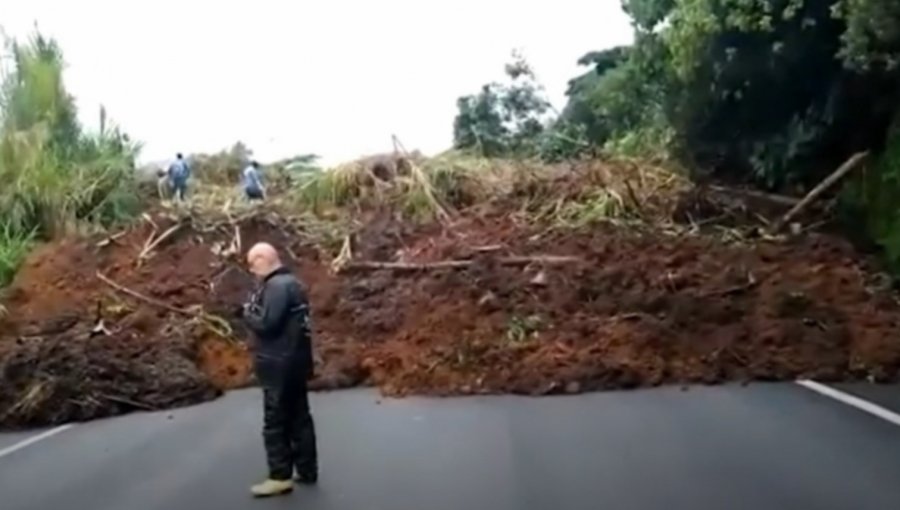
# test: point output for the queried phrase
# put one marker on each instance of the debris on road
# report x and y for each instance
(553, 286)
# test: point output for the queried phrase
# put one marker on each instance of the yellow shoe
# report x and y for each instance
(272, 488)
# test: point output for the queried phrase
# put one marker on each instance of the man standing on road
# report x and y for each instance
(278, 315)
(252, 182)
(179, 173)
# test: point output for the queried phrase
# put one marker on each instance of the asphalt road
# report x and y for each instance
(721, 448)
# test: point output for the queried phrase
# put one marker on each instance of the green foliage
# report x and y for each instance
(594, 98)
(503, 119)
(871, 202)
(34, 93)
(294, 170)
(56, 178)
(767, 90)
(14, 245)
(564, 140)
(771, 92)
(524, 329)
(756, 90)
(872, 36)
(223, 167)
(621, 95)
(303, 163)
(650, 141)
(646, 15)
(423, 189)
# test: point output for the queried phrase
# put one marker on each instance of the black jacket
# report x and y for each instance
(278, 315)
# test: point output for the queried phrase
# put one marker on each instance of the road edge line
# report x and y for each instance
(34, 439)
(852, 401)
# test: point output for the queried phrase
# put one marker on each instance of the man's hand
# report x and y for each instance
(250, 310)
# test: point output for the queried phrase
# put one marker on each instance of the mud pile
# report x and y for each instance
(482, 305)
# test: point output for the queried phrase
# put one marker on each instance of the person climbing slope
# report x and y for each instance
(251, 180)
(179, 173)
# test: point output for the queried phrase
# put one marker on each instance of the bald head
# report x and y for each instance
(262, 259)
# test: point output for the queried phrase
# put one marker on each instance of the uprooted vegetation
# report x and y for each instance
(447, 276)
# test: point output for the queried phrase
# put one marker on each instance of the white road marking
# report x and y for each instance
(852, 401)
(34, 439)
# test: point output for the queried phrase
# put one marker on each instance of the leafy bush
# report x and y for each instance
(871, 202)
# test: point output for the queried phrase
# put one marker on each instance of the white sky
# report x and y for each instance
(334, 77)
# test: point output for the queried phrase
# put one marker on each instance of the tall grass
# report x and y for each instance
(14, 245)
(567, 195)
(55, 177)
(51, 195)
(423, 188)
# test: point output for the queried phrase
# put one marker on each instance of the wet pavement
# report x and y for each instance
(771, 446)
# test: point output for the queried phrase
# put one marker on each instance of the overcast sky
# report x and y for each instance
(287, 77)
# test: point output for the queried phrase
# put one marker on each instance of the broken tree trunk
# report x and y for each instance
(822, 187)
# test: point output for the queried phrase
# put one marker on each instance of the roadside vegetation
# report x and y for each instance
(57, 178)
(772, 94)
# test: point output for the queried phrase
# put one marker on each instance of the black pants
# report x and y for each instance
(288, 430)
(254, 193)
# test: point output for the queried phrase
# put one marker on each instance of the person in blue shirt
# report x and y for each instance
(251, 180)
(179, 173)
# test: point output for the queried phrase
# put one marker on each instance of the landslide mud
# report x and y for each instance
(628, 309)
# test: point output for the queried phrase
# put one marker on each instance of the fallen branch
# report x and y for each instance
(633, 196)
(737, 357)
(418, 175)
(146, 217)
(458, 264)
(156, 242)
(287, 245)
(488, 248)
(768, 197)
(405, 266)
(344, 257)
(147, 299)
(111, 239)
(147, 242)
(215, 323)
(128, 402)
(627, 316)
(822, 187)
(550, 260)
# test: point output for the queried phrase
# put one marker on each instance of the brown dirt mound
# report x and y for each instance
(637, 310)
(73, 375)
(633, 309)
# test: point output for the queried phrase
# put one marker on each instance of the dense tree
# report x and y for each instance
(771, 92)
(504, 118)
